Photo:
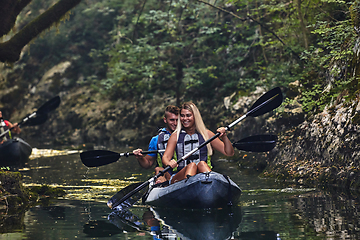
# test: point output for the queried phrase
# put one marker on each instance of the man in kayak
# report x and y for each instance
(159, 142)
(5, 125)
(189, 134)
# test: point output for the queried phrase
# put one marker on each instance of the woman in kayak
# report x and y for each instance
(189, 134)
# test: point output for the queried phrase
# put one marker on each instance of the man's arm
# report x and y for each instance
(148, 160)
(144, 161)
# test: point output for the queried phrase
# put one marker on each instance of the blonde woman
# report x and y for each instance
(189, 134)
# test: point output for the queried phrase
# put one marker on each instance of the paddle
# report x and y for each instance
(39, 116)
(37, 120)
(97, 158)
(257, 143)
(127, 203)
(267, 102)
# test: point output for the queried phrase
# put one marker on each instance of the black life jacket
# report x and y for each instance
(163, 138)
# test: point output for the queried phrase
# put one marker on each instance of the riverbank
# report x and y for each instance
(15, 197)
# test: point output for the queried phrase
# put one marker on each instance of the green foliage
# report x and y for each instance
(180, 48)
(85, 28)
(333, 56)
(337, 43)
(48, 191)
(313, 99)
(192, 51)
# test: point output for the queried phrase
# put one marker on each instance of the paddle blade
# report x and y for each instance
(267, 102)
(49, 106)
(257, 143)
(100, 229)
(127, 221)
(97, 158)
(37, 120)
(121, 202)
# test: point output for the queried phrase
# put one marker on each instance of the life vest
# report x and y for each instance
(163, 138)
(4, 127)
(187, 143)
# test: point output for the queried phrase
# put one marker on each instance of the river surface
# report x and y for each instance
(267, 210)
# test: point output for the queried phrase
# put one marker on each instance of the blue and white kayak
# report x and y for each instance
(204, 190)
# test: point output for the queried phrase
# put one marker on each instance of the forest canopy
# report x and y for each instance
(197, 49)
(205, 50)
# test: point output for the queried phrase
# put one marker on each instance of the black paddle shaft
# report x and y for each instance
(97, 158)
(39, 116)
(272, 99)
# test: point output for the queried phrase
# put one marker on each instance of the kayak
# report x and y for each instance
(204, 190)
(14, 152)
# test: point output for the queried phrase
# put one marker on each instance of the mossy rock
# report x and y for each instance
(11, 189)
(48, 191)
(356, 119)
(14, 195)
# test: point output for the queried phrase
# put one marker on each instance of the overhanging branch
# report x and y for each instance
(10, 50)
(254, 20)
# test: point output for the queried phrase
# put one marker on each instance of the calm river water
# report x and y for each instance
(268, 209)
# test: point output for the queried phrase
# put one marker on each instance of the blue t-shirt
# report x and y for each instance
(153, 145)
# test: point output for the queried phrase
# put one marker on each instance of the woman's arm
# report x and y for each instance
(169, 152)
(224, 145)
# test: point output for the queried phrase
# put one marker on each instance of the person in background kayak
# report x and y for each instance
(8, 125)
(189, 134)
(159, 142)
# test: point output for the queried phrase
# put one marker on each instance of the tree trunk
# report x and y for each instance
(302, 24)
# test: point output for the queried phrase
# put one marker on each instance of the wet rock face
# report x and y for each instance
(329, 137)
(312, 150)
(323, 149)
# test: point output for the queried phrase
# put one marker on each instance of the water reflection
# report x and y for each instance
(268, 209)
(101, 228)
(80, 182)
(336, 214)
(65, 220)
(196, 224)
(181, 223)
(11, 222)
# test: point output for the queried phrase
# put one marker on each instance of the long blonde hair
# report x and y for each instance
(199, 124)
